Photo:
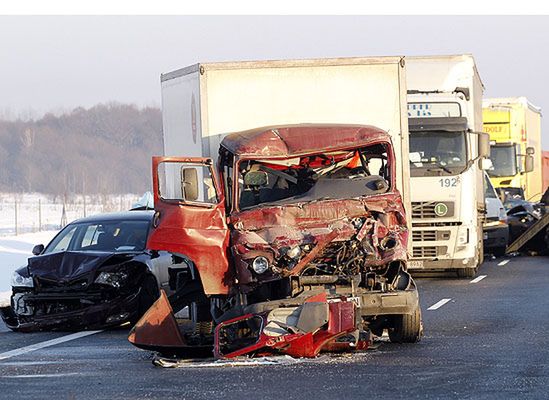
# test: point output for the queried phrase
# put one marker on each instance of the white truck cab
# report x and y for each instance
(446, 151)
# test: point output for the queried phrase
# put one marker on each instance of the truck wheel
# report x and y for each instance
(466, 272)
(406, 328)
(148, 294)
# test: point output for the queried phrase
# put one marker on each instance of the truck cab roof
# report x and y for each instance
(292, 140)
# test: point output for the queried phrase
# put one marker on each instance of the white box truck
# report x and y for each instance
(447, 148)
(203, 102)
(283, 179)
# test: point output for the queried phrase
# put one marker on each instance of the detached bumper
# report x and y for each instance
(112, 313)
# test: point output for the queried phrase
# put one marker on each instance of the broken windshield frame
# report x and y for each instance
(435, 152)
(348, 173)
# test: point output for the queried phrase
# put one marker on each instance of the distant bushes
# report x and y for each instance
(104, 149)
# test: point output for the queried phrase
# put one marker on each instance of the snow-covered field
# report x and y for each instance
(32, 212)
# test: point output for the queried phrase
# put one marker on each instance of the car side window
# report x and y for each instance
(90, 236)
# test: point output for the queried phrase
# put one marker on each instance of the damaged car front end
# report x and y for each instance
(313, 244)
(93, 274)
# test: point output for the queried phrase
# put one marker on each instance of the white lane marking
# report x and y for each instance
(439, 304)
(502, 263)
(42, 375)
(478, 278)
(47, 343)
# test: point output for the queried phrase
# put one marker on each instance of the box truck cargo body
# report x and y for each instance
(307, 201)
(204, 102)
(445, 124)
(514, 126)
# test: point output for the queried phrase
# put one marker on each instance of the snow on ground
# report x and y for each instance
(14, 252)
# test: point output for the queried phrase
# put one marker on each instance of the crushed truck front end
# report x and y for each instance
(310, 210)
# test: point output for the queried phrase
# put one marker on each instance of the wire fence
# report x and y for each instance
(24, 213)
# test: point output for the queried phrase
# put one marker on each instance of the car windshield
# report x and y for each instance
(335, 175)
(504, 161)
(435, 151)
(106, 236)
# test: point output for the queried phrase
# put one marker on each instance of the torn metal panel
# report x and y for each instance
(301, 331)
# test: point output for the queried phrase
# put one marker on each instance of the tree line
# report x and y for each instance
(100, 150)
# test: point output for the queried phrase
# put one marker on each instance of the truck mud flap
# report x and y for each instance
(158, 330)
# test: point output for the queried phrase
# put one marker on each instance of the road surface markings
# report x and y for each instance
(502, 263)
(439, 304)
(43, 375)
(47, 343)
(478, 278)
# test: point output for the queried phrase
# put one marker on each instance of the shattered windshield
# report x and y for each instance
(336, 175)
(504, 161)
(109, 236)
(436, 151)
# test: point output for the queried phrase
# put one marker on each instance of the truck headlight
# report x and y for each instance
(18, 280)
(114, 279)
(294, 252)
(260, 264)
(463, 236)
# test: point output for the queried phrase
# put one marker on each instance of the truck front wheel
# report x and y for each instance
(407, 328)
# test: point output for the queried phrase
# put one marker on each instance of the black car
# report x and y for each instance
(95, 273)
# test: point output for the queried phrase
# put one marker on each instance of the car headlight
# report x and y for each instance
(114, 279)
(260, 264)
(18, 280)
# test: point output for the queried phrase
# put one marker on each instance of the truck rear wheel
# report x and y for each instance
(406, 328)
(466, 272)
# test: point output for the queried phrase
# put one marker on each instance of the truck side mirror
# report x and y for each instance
(528, 163)
(483, 144)
(189, 183)
(530, 151)
(486, 164)
(38, 249)
(256, 178)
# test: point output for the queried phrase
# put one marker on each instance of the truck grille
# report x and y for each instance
(429, 251)
(432, 209)
(430, 236)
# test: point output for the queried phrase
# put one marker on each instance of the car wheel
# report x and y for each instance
(407, 328)
(499, 251)
(148, 294)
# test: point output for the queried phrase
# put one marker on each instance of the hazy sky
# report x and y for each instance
(56, 63)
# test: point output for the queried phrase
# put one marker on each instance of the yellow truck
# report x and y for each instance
(514, 126)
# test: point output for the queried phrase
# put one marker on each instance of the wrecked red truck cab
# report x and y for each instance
(288, 214)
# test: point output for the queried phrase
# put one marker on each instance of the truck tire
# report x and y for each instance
(406, 328)
(466, 272)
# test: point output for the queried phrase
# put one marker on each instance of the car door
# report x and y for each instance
(190, 218)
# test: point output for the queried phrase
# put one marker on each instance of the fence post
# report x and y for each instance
(16, 222)
(39, 215)
(64, 213)
(84, 206)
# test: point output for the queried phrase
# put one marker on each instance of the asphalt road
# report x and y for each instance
(489, 341)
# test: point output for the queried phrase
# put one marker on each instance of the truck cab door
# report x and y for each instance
(190, 218)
